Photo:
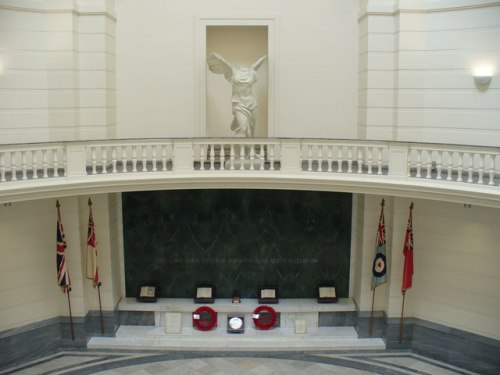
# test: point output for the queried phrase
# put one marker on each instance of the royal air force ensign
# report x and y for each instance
(379, 267)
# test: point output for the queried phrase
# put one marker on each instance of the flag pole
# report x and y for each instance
(98, 289)
(370, 325)
(380, 237)
(401, 319)
(70, 316)
(100, 308)
(407, 272)
(66, 288)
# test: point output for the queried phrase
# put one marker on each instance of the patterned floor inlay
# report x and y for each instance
(238, 363)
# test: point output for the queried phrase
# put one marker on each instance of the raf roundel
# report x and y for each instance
(379, 267)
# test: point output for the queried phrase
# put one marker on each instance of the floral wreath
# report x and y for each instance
(266, 322)
(200, 320)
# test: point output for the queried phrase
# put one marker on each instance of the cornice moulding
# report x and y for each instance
(52, 7)
(416, 6)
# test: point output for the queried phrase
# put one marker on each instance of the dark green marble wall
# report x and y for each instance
(237, 240)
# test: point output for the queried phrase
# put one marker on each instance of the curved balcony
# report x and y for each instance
(454, 173)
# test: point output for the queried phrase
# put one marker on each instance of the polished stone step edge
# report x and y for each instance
(151, 338)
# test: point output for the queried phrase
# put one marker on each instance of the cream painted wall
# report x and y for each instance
(315, 70)
(415, 59)
(29, 289)
(417, 62)
(28, 280)
(57, 70)
(457, 262)
(57, 82)
(456, 259)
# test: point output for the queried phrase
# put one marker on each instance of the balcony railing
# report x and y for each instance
(23, 165)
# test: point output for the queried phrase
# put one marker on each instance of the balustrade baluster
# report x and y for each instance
(309, 157)
(349, 159)
(34, 164)
(222, 157)
(409, 164)
(134, 159)
(481, 169)
(55, 164)
(2, 167)
(270, 154)
(242, 156)
(449, 169)
(360, 160)
(45, 165)
(320, 158)
(419, 164)
(379, 161)
(470, 170)
(23, 166)
(144, 160)
(492, 170)
(330, 158)
(202, 157)
(104, 159)
(340, 159)
(262, 156)
(438, 165)
(212, 157)
(369, 161)
(124, 160)
(113, 159)
(13, 167)
(65, 163)
(429, 165)
(94, 161)
(252, 157)
(154, 156)
(460, 167)
(231, 158)
(163, 157)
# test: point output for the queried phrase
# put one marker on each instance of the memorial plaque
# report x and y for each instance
(237, 240)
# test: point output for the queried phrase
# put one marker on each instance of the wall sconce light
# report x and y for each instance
(483, 75)
(482, 80)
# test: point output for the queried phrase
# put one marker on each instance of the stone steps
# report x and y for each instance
(278, 339)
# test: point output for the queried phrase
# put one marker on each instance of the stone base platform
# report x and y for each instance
(279, 339)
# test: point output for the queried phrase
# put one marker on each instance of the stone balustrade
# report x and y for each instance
(450, 171)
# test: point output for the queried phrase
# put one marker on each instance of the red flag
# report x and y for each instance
(92, 269)
(62, 272)
(408, 253)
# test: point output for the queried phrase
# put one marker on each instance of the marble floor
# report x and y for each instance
(238, 363)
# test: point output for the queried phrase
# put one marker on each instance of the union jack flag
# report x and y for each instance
(63, 279)
(92, 269)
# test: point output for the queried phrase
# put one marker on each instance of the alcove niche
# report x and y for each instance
(241, 42)
(240, 46)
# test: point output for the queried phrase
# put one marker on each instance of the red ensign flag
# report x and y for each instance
(408, 253)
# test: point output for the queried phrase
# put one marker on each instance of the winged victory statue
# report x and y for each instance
(243, 100)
